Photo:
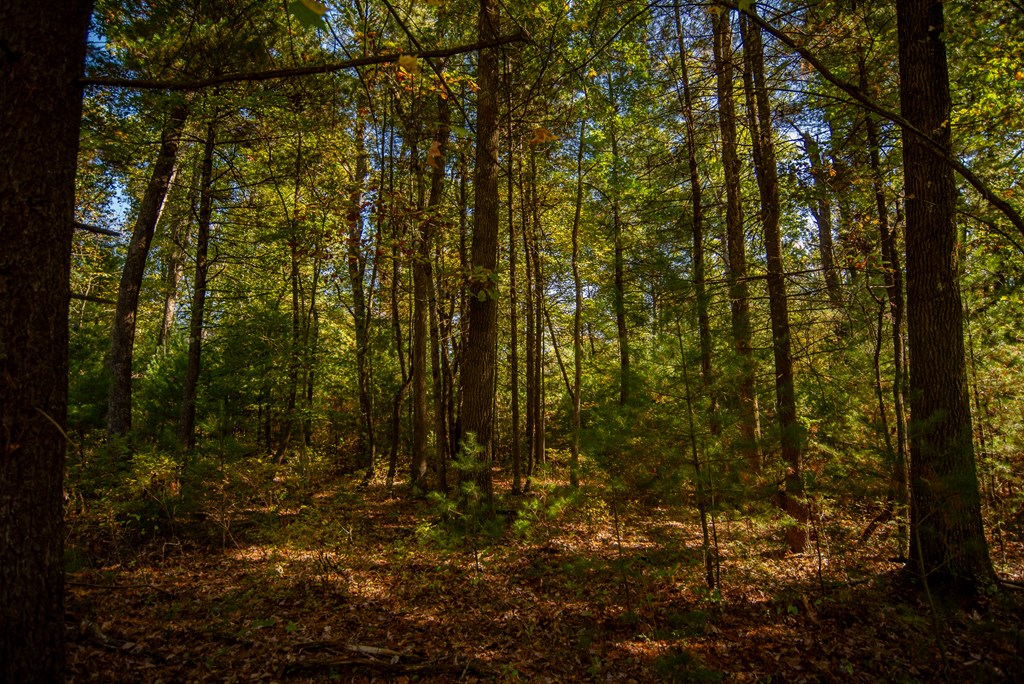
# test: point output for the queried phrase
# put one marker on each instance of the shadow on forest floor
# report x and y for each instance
(355, 586)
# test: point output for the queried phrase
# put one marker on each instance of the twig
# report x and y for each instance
(155, 588)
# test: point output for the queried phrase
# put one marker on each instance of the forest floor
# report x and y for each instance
(365, 584)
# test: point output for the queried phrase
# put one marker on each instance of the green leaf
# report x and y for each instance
(746, 5)
(307, 16)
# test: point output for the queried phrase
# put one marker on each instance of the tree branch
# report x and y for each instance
(291, 72)
(96, 229)
(871, 105)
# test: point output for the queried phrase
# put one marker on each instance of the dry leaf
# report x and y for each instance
(435, 159)
(542, 135)
(409, 63)
(314, 6)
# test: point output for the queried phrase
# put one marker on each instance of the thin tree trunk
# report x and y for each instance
(821, 210)
(791, 432)
(947, 536)
(893, 279)
(179, 238)
(540, 432)
(697, 209)
(739, 294)
(41, 62)
(531, 330)
(577, 314)
(356, 265)
(186, 426)
(517, 451)
(122, 339)
(621, 328)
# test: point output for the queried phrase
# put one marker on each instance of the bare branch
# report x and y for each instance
(96, 229)
(291, 72)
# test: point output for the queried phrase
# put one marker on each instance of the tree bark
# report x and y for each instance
(947, 538)
(821, 210)
(622, 330)
(739, 292)
(478, 366)
(122, 338)
(697, 231)
(355, 261)
(790, 430)
(186, 426)
(42, 53)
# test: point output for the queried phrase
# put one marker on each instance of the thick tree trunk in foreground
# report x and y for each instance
(122, 338)
(42, 52)
(947, 540)
(478, 366)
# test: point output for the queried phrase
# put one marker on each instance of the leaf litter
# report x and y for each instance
(359, 585)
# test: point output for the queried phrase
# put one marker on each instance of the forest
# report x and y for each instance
(561, 340)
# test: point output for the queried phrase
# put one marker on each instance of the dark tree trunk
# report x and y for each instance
(186, 426)
(42, 52)
(622, 331)
(893, 278)
(790, 430)
(478, 366)
(739, 292)
(947, 538)
(577, 315)
(355, 260)
(122, 338)
(697, 209)
(513, 296)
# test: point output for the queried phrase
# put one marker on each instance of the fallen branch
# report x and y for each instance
(112, 587)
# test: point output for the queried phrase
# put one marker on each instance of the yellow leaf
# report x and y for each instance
(435, 159)
(314, 6)
(542, 135)
(409, 63)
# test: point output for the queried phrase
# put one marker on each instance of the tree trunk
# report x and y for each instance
(821, 210)
(122, 338)
(517, 450)
(179, 237)
(739, 293)
(947, 538)
(42, 53)
(478, 366)
(697, 230)
(790, 430)
(577, 314)
(893, 279)
(186, 427)
(622, 330)
(355, 260)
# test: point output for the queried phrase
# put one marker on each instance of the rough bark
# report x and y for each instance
(697, 232)
(355, 262)
(766, 171)
(739, 292)
(186, 425)
(947, 538)
(42, 53)
(122, 338)
(478, 366)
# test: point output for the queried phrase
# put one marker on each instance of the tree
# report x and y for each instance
(42, 55)
(478, 364)
(739, 291)
(119, 404)
(947, 538)
(762, 137)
